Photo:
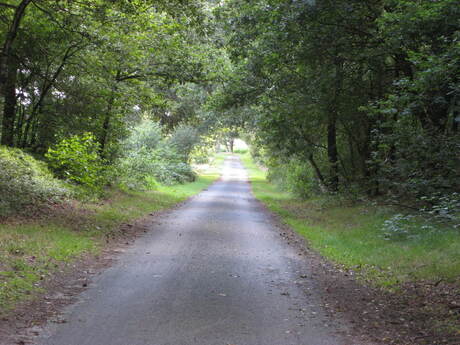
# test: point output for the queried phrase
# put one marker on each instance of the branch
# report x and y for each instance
(7, 5)
(127, 77)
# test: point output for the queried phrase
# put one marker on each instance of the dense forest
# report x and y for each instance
(352, 97)
(358, 97)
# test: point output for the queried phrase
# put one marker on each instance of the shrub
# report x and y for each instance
(76, 160)
(183, 140)
(147, 135)
(135, 168)
(402, 227)
(26, 182)
(294, 176)
(148, 159)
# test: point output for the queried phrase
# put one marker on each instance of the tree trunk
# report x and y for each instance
(319, 175)
(9, 106)
(8, 67)
(332, 151)
(20, 125)
(105, 132)
(7, 50)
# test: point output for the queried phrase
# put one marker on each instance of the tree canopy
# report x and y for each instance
(363, 95)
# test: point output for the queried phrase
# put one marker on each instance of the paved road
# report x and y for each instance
(214, 272)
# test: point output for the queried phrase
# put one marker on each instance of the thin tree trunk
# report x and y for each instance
(7, 49)
(25, 135)
(105, 131)
(106, 125)
(318, 173)
(46, 87)
(20, 125)
(9, 106)
(8, 67)
(332, 151)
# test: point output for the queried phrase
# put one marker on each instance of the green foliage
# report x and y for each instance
(413, 164)
(348, 96)
(76, 159)
(146, 136)
(294, 176)
(148, 158)
(183, 140)
(26, 182)
(202, 152)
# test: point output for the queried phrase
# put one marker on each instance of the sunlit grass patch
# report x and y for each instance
(353, 236)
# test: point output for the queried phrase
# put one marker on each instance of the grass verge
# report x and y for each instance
(352, 236)
(33, 250)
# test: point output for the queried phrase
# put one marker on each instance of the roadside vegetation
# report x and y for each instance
(33, 249)
(356, 235)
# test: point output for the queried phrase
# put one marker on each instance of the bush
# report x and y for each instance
(76, 160)
(148, 159)
(26, 182)
(183, 140)
(135, 168)
(147, 135)
(294, 176)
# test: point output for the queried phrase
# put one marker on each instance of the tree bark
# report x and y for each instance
(319, 175)
(9, 106)
(106, 124)
(8, 67)
(332, 151)
(7, 49)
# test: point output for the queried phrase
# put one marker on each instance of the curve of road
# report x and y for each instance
(214, 272)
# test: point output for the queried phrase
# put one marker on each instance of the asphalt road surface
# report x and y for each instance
(215, 271)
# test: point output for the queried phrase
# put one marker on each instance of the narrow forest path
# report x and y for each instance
(213, 271)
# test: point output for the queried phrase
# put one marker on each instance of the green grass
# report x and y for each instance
(351, 235)
(31, 251)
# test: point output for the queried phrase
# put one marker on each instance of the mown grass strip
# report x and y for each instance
(351, 235)
(33, 250)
